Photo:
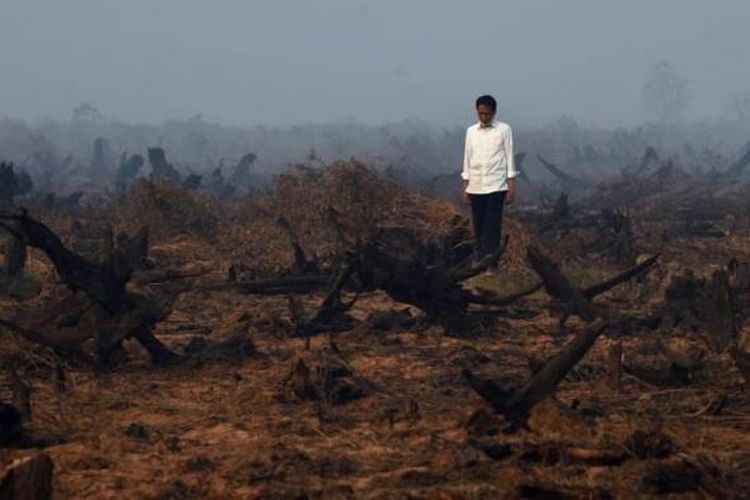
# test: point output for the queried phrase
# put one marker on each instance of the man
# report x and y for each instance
(488, 176)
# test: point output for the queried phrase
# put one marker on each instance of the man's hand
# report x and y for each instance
(511, 195)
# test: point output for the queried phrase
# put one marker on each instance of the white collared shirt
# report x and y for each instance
(488, 158)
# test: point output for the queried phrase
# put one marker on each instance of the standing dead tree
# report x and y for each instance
(161, 169)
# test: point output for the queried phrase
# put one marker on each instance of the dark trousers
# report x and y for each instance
(487, 219)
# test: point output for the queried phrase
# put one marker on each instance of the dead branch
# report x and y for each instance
(515, 403)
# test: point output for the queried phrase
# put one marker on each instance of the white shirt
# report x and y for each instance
(488, 158)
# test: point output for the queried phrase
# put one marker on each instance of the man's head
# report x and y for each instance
(486, 109)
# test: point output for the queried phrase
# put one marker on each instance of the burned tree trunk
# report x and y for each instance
(419, 273)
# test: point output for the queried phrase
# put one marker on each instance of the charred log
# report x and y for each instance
(515, 403)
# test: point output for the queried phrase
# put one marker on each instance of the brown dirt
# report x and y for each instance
(230, 430)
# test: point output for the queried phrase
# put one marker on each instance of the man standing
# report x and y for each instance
(488, 176)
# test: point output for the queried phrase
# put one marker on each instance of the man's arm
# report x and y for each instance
(512, 172)
(465, 171)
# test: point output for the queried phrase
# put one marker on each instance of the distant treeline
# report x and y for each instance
(87, 150)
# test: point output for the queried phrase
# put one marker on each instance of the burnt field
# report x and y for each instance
(333, 338)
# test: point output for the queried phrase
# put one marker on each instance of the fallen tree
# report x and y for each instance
(121, 312)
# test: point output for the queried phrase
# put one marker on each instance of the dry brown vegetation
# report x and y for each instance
(309, 343)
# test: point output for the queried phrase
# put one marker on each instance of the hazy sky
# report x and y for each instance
(282, 62)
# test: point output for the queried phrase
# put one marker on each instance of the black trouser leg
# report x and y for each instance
(487, 218)
(478, 211)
